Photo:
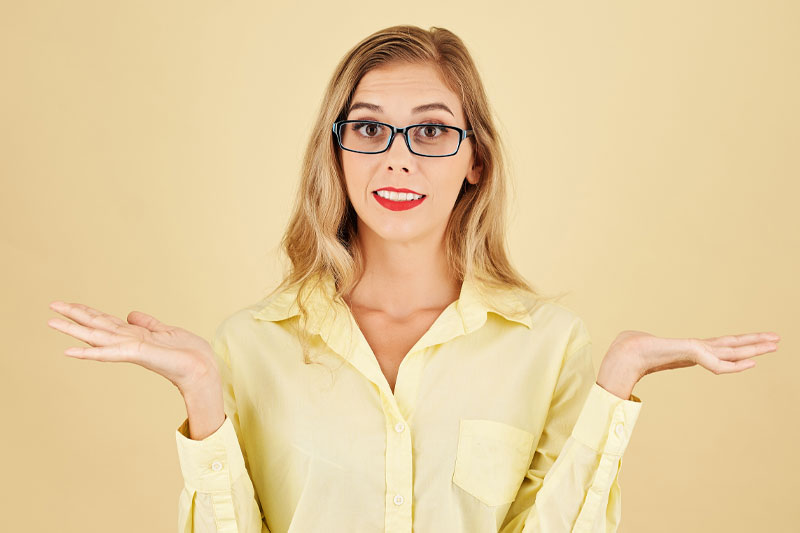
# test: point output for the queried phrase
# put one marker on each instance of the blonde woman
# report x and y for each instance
(403, 376)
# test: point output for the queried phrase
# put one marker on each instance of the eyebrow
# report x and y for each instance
(418, 109)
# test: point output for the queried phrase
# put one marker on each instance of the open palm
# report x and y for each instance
(182, 357)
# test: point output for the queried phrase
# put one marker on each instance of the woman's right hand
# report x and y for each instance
(179, 355)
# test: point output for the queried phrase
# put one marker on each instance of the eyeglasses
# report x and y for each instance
(372, 137)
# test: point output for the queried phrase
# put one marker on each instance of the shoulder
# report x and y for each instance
(241, 323)
(560, 324)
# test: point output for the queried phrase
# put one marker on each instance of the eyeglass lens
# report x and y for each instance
(426, 139)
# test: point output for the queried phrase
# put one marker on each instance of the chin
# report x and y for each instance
(403, 236)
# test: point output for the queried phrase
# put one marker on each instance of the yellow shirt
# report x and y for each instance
(496, 424)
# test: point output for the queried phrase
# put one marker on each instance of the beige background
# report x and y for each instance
(149, 152)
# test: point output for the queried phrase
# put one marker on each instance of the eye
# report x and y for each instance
(367, 129)
(430, 130)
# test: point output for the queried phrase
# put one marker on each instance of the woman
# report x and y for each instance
(403, 363)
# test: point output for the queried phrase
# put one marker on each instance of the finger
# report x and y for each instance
(94, 337)
(707, 359)
(144, 320)
(130, 351)
(743, 352)
(746, 338)
(113, 353)
(88, 316)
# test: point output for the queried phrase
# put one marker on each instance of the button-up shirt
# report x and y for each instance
(495, 424)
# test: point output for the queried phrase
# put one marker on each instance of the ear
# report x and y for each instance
(474, 173)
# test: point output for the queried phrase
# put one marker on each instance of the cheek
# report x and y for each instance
(352, 174)
(355, 176)
(455, 173)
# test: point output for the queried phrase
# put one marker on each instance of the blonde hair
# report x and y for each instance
(321, 234)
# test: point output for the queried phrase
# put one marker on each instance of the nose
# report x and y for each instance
(399, 156)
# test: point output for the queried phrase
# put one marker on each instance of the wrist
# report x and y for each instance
(200, 381)
(205, 409)
(202, 392)
(617, 376)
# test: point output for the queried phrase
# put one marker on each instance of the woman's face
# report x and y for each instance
(392, 92)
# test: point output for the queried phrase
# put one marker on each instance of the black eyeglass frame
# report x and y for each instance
(462, 134)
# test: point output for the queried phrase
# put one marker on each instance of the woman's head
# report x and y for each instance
(403, 93)
(399, 68)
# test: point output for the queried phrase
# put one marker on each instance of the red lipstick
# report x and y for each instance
(397, 205)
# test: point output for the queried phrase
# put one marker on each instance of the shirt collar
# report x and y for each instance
(472, 306)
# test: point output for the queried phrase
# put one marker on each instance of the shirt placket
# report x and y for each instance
(399, 468)
(398, 455)
(397, 407)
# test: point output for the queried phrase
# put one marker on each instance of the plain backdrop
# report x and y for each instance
(149, 154)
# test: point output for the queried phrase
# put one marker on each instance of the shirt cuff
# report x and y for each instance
(606, 421)
(213, 463)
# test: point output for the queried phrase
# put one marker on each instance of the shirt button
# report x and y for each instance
(399, 427)
(398, 499)
(619, 429)
(216, 466)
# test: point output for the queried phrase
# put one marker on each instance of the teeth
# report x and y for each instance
(399, 197)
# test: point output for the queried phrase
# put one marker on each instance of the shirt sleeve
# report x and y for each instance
(218, 494)
(572, 484)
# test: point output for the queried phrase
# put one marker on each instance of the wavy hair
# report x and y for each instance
(320, 237)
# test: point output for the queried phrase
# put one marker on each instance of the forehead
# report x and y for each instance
(399, 87)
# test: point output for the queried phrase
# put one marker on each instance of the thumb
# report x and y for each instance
(137, 318)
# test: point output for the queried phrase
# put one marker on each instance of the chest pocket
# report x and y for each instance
(491, 460)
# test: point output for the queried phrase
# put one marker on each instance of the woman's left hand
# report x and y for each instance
(634, 354)
(720, 355)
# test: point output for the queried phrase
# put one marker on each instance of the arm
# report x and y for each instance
(218, 494)
(572, 484)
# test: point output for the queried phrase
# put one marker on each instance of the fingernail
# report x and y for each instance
(72, 351)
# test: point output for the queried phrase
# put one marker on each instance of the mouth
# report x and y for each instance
(408, 195)
(398, 201)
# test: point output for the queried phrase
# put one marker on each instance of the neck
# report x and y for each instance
(401, 278)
